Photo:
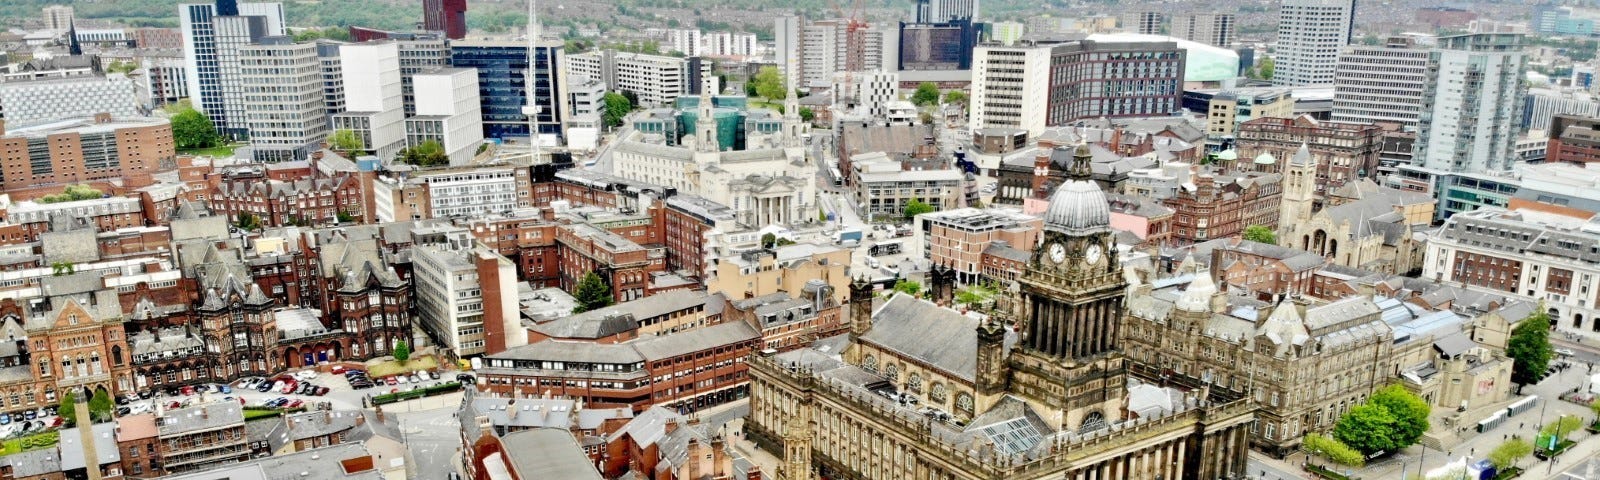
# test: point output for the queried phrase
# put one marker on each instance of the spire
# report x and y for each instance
(73, 47)
(1302, 156)
(705, 125)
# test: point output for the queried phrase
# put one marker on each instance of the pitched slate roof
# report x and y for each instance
(928, 333)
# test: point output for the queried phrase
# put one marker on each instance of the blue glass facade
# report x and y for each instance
(502, 86)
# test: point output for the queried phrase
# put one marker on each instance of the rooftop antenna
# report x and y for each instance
(531, 109)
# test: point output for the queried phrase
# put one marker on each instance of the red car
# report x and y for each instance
(295, 404)
(188, 390)
(289, 385)
(390, 381)
(173, 405)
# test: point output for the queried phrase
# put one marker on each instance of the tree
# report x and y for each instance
(346, 142)
(1563, 426)
(908, 287)
(770, 83)
(100, 407)
(917, 207)
(633, 98)
(592, 294)
(976, 293)
(1258, 233)
(1410, 412)
(1529, 348)
(69, 417)
(402, 352)
(72, 193)
(345, 217)
(426, 154)
(1367, 428)
(1333, 450)
(806, 114)
(927, 94)
(615, 107)
(1510, 452)
(192, 129)
(248, 221)
(62, 268)
(119, 66)
(955, 97)
(768, 240)
(1267, 67)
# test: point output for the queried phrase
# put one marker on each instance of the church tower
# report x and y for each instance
(991, 369)
(1299, 191)
(793, 125)
(860, 316)
(705, 125)
(1072, 294)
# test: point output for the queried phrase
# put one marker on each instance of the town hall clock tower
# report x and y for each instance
(1068, 362)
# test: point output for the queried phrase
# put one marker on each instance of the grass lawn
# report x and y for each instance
(254, 413)
(391, 367)
(222, 151)
(30, 442)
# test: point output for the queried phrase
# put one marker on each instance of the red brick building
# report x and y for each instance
(686, 370)
(624, 265)
(1222, 206)
(1573, 139)
(97, 148)
(1343, 152)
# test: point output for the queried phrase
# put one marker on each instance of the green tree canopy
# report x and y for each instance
(429, 153)
(1510, 452)
(72, 193)
(1367, 428)
(1258, 233)
(1265, 69)
(908, 287)
(806, 114)
(770, 84)
(1410, 412)
(927, 94)
(346, 141)
(592, 294)
(100, 406)
(1333, 450)
(917, 207)
(402, 352)
(69, 417)
(192, 129)
(1529, 347)
(247, 221)
(955, 97)
(768, 240)
(1561, 427)
(614, 108)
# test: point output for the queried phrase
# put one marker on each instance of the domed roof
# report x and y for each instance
(1266, 158)
(1197, 298)
(1078, 208)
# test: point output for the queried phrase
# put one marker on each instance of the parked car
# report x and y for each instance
(5, 419)
(264, 387)
(224, 389)
(296, 403)
(433, 375)
(30, 415)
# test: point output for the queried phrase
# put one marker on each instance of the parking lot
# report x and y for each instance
(305, 388)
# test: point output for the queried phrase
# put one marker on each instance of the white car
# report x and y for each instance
(1565, 352)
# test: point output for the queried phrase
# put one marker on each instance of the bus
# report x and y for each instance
(888, 247)
(838, 178)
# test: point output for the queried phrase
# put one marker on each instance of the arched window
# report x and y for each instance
(964, 403)
(892, 371)
(936, 393)
(116, 355)
(1091, 422)
(44, 366)
(914, 383)
(869, 364)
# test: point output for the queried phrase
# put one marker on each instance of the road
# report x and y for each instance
(434, 439)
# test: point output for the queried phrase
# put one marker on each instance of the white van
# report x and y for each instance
(873, 262)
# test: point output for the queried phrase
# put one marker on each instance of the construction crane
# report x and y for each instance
(854, 42)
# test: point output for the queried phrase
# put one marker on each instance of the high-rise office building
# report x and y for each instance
(283, 102)
(1472, 107)
(1038, 86)
(503, 84)
(332, 76)
(58, 17)
(1380, 83)
(1310, 34)
(448, 16)
(1145, 22)
(419, 52)
(940, 11)
(449, 114)
(656, 79)
(829, 46)
(684, 40)
(787, 42)
(374, 105)
(1217, 29)
(212, 36)
(937, 46)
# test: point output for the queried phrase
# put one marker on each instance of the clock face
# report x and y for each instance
(1093, 254)
(1058, 253)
